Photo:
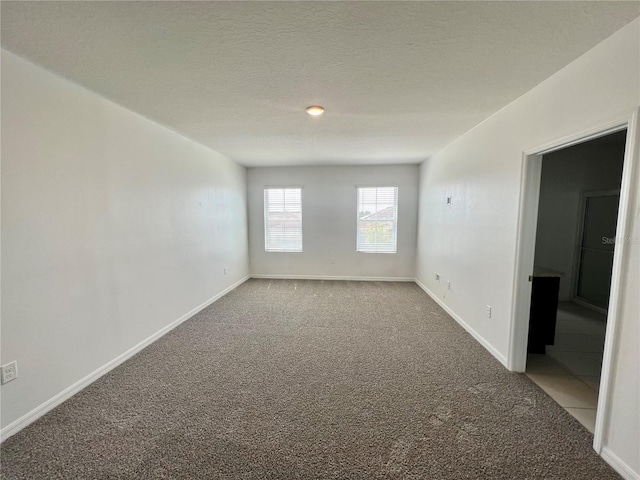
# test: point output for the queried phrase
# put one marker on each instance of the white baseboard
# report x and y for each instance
(30, 417)
(501, 358)
(618, 465)
(583, 303)
(327, 277)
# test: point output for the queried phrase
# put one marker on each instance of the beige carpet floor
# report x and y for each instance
(285, 379)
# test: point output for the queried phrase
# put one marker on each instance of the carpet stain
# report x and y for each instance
(526, 407)
(483, 388)
(400, 451)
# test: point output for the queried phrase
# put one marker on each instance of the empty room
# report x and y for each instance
(320, 240)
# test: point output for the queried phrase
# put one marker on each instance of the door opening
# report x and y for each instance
(574, 248)
(526, 251)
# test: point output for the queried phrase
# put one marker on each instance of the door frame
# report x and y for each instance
(525, 251)
(575, 272)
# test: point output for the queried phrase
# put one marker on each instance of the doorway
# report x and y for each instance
(526, 249)
(574, 248)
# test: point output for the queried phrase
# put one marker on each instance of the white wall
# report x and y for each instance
(566, 175)
(473, 241)
(112, 228)
(329, 221)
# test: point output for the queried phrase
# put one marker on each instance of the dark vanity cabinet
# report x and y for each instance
(544, 309)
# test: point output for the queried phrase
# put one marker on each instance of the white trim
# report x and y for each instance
(525, 251)
(614, 124)
(620, 254)
(582, 303)
(30, 417)
(329, 277)
(479, 338)
(618, 465)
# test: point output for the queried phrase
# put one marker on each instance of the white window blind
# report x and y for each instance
(283, 219)
(377, 219)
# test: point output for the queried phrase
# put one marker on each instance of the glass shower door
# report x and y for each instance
(596, 248)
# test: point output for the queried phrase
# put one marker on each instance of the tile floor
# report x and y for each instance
(570, 370)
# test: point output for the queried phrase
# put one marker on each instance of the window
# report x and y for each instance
(283, 219)
(377, 219)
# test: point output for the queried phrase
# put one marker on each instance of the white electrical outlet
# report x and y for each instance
(437, 275)
(448, 284)
(9, 372)
(488, 311)
(224, 270)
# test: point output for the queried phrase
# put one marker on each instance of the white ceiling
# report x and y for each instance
(399, 80)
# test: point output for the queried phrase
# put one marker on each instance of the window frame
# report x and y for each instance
(265, 218)
(394, 220)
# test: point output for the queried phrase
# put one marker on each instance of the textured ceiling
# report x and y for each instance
(399, 80)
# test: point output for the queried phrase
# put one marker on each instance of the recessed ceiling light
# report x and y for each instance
(315, 110)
